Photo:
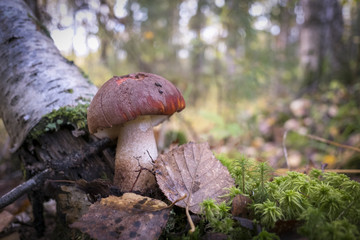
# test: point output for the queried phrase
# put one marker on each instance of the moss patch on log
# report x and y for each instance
(68, 115)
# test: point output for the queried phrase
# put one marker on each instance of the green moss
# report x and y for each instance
(217, 215)
(326, 204)
(264, 235)
(73, 116)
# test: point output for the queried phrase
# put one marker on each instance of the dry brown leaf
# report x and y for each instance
(192, 170)
(130, 216)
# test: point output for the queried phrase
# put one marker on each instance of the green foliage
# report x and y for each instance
(292, 202)
(313, 219)
(326, 204)
(315, 173)
(316, 226)
(217, 215)
(233, 191)
(262, 173)
(240, 166)
(73, 116)
(269, 213)
(264, 235)
(209, 209)
(250, 175)
(340, 229)
(317, 199)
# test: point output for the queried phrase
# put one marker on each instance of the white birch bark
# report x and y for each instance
(34, 78)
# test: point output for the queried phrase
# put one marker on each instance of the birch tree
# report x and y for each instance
(44, 95)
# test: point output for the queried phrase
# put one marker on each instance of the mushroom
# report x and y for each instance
(127, 108)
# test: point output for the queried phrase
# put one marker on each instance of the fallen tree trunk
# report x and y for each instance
(43, 106)
(35, 78)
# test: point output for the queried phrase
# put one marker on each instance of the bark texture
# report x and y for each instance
(35, 78)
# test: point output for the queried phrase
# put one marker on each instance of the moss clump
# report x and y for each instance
(320, 205)
(68, 115)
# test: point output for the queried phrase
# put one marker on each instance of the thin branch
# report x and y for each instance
(320, 139)
(139, 172)
(283, 171)
(23, 188)
(70, 161)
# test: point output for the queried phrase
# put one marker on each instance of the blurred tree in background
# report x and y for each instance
(323, 43)
(240, 64)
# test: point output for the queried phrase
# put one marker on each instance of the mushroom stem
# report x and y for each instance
(136, 148)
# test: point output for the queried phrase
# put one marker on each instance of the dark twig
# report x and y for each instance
(152, 160)
(23, 188)
(70, 161)
(139, 172)
(323, 140)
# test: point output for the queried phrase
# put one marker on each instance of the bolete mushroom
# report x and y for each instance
(127, 107)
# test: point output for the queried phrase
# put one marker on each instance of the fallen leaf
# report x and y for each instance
(130, 216)
(192, 170)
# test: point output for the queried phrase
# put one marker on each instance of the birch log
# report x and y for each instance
(34, 78)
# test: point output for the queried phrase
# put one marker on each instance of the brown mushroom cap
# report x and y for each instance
(122, 99)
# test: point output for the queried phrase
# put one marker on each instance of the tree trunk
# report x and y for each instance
(321, 45)
(197, 23)
(35, 80)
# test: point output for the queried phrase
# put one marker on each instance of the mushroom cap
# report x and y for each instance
(122, 99)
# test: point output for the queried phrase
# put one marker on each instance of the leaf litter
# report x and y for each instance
(130, 216)
(187, 175)
(192, 170)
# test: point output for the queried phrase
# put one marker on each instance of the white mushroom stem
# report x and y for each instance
(136, 149)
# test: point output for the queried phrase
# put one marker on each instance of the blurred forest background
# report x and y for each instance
(260, 78)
